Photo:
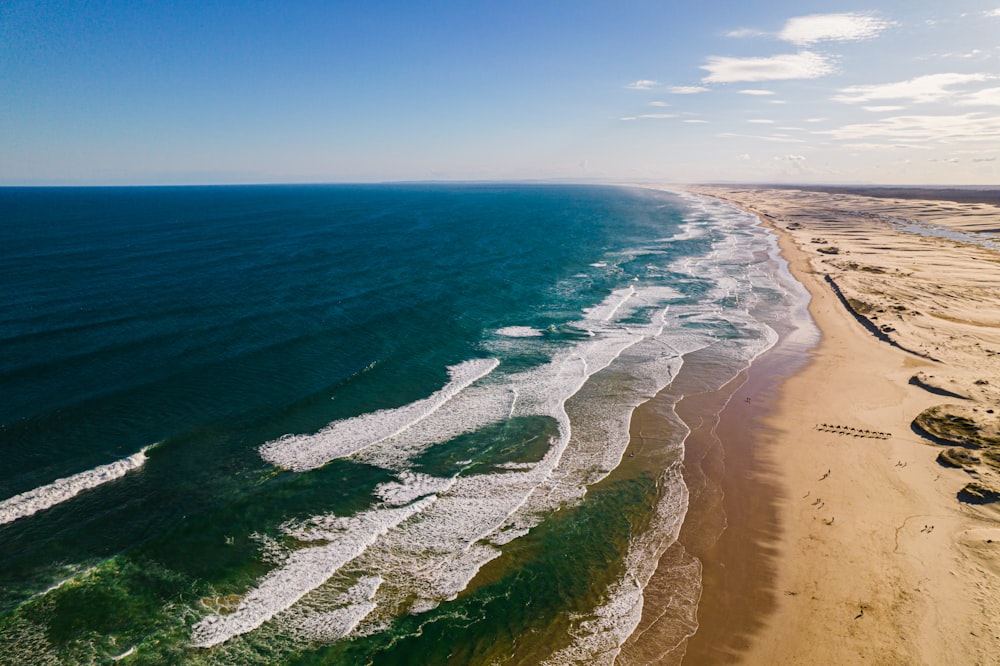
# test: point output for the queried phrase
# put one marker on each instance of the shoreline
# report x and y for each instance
(848, 548)
(740, 563)
(722, 470)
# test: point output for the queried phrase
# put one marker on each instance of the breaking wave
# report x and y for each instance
(61, 490)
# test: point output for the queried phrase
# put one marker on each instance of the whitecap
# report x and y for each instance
(342, 438)
(305, 568)
(61, 490)
(519, 332)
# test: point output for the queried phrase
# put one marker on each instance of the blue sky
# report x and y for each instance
(234, 92)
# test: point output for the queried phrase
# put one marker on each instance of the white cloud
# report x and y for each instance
(745, 32)
(660, 104)
(756, 92)
(761, 121)
(984, 159)
(866, 146)
(966, 127)
(650, 116)
(802, 65)
(687, 90)
(806, 30)
(695, 121)
(743, 157)
(879, 109)
(974, 54)
(777, 101)
(929, 88)
(776, 139)
(642, 84)
(987, 97)
(993, 12)
(816, 120)
(882, 146)
(794, 158)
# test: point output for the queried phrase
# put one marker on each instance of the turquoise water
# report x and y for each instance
(351, 424)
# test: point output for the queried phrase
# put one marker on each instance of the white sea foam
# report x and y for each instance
(342, 438)
(601, 633)
(736, 336)
(333, 619)
(410, 486)
(474, 408)
(61, 490)
(462, 531)
(305, 569)
(429, 561)
(607, 309)
(126, 653)
(519, 332)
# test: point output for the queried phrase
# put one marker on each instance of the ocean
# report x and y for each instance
(343, 424)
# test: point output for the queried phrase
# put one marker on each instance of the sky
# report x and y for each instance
(902, 92)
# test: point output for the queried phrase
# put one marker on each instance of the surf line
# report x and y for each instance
(300, 453)
(45, 497)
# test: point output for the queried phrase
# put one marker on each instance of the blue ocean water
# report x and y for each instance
(352, 424)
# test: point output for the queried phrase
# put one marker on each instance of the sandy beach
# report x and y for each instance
(862, 525)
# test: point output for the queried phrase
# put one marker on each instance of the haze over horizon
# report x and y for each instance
(810, 92)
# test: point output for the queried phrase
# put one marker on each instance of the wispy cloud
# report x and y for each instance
(974, 54)
(794, 158)
(929, 88)
(695, 121)
(965, 127)
(687, 90)
(881, 109)
(746, 32)
(987, 97)
(993, 13)
(883, 146)
(642, 84)
(756, 92)
(650, 116)
(802, 65)
(761, 121)
(775, 139)
(659, 104)
(806, 30)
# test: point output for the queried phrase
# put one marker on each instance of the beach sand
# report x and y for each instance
(850, 542)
